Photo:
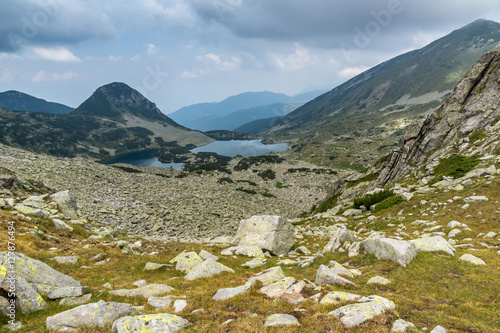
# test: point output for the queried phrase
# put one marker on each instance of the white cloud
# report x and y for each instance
(6, 76)
(292, 61)
(151, 48)
(350, 72)
(135, 58)
(59, 54)
(222, 65)
(115, 58)
(194, 73)
(44, 76)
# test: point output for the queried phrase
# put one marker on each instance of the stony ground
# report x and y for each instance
(435, 288)
(154, 203)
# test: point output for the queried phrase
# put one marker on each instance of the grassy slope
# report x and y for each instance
(434, 289)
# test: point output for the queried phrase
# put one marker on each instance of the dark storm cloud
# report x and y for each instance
(327, 23)
(51, 22)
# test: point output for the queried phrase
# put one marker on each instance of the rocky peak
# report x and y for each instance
(473, 105)
(116, 99)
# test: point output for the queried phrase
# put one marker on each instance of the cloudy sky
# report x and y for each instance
(180, 52)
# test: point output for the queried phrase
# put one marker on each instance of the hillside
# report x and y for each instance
(17, 101)
(237, 110)
(373, 109)
(115, 119)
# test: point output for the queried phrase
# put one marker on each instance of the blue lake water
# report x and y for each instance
(241, 147)
(225, 148)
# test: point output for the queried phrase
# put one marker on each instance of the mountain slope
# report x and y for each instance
(209, 116)
(473, 106)
(369, 112)
(115, 119)
(12, 100)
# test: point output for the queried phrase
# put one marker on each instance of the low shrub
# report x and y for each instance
(267, 174)
(455, 166)
(373, 199)
(389, 202)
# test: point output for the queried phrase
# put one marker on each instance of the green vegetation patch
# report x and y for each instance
(267, 174)
(455, 166)
(126, 169)
(389, 202)
(246, 162)
(326, 204)
(373, 199)
(478, 135)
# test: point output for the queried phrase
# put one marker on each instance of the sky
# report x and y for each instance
(180, 52)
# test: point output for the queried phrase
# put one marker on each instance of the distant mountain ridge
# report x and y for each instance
(13, 100)
(236, 110)
(409, 84)
(116, 119)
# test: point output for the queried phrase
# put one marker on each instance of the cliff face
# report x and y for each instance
(473, 105)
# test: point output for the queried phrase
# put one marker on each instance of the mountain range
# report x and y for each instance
(237, 110)
(12, 100)
(115, 119)
(365, 116)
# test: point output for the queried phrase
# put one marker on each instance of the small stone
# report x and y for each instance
(402, 326)
(453, 233)
(378, 280)
(281, 319)
(208, 268)
(159, 303)
(226, 293)
(336, 297)
(476, 198)
(206, 255)
(254, 263)
(140, 283)
(472, 259)
(179, 305)
(64, 292)
(367, 308)
(439, 329)
(325, 275)
(146, 291)
(151, 266)
(76, 300)
(60, 225)
(66, 260)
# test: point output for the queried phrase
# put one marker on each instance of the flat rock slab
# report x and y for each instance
(439, 329)
(476, 198)
(28, 300)
(206, 255)
(180, 305)
(66, 259)
(60, 225)
(402, 326)
(269, 233)
(400, 252)
(340, 270)
(268, 276)
(160, 303)
(281, 319)
(151, 266)
(187, 262)
(472, 259)
(99, 314)
(65, 292)
(249, 251)
(76, 300)
(226, 293)
(146, 291)
(160, 322)
(326, 275)
(278, 288)
(37, 272)
(336, 297)
(433, 244)
(254, 263)
(368, 307)
(378, 280)
(208, 268)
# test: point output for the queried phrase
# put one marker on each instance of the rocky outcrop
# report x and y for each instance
(473, 105)
(270, 233)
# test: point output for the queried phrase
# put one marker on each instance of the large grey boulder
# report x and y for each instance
(472, 259)
(33, 279)
(208, 268)
(336, 297)
(278, 288)
(66, 204)
(400, 252)
(187, 261)
(367, 308)
(34, 206)
(100, 314)
(433, 244)
(268, 276)
(326, 275)
(270, 233)
(160, 322)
